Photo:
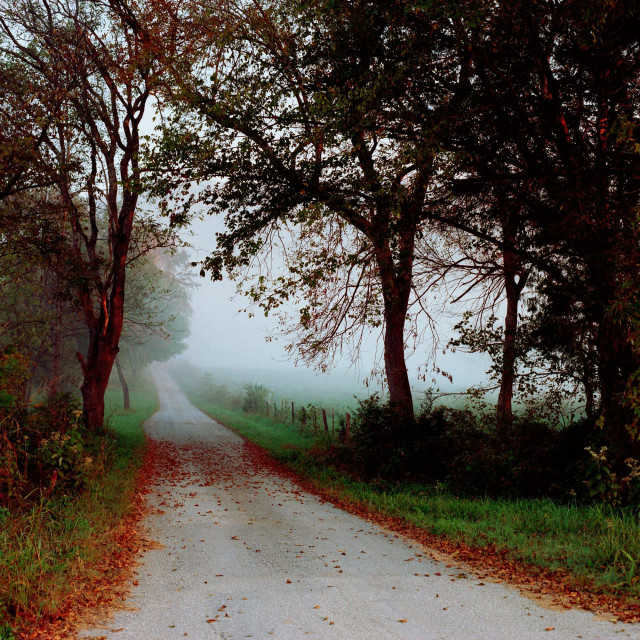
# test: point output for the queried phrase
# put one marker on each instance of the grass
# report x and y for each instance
(598, 545)
(48, 547)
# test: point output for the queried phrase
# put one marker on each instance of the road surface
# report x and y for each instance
(246, 554)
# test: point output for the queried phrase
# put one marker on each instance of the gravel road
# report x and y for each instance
(246, 554)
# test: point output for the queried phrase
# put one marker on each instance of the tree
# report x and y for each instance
(36, 320)
(301, 118)
(555, 122)
(157, 310)
(24, 122)
(84, 55)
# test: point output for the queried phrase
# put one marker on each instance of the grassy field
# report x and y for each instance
(48, 549)
(598, 545)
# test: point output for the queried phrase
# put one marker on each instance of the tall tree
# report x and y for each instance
(85, 56)
(301, 115)
(553, 107)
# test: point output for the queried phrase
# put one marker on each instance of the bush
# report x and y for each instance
(379, 439)
(255, 398)
(45, 450)
(219, 394)
(463, 451)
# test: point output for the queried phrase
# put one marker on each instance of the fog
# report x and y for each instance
(225, 338)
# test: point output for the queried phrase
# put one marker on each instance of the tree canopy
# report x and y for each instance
(485, 153)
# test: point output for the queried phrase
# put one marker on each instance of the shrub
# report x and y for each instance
(255, 398)
(14, 378)
(46, 450)
(379, 438)
(461, 449)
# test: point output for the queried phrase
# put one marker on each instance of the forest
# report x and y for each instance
(373, 163)
(373, 166)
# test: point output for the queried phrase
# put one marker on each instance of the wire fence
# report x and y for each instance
(311, 417)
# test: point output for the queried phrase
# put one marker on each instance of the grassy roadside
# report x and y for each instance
(48, 550)
(598, 545)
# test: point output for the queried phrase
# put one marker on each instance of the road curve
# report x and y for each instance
(246, 554)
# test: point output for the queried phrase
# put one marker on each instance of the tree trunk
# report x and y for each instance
(56, 356)
(125, 386)
(394, 360)
(395, 277)
(589, 396)
(104, 336)
(505, 396)
(93, 389)
(514, 280)
(135, 364)
(616, 364)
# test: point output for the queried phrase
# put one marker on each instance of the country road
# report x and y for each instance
(246, 554)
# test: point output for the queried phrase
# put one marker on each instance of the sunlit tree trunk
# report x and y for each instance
(105, 328)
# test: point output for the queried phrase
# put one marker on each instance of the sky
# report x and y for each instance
(223, 336)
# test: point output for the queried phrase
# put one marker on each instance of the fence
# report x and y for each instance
(311, 417)
(255, 399)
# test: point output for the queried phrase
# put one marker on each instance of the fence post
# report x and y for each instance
(267, 408)
(304, 418)
(275, 411)
(293, 414)
(347, 428)
(324, 421)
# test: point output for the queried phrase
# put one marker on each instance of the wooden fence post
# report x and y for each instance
(293, 414)
(304, 418)
(324, 421)
(267, 409)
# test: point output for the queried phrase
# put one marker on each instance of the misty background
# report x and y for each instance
(238, 347)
